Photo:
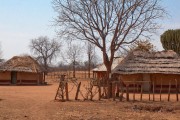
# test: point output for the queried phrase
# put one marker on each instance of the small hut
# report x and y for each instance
(150, 70)
(101, 71)
(21, 70)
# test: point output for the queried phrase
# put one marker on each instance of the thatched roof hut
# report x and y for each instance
(100, 71)
(21, 70)
(150, 68)
(165, 62)
(21, 64)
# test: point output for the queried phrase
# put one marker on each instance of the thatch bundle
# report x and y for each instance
(21, 63)
(165, 62)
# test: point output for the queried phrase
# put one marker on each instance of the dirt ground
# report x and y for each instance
(37, 103)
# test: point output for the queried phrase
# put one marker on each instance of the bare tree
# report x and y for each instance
(74, 53)
(45, 50)
(1, 54)
(108, 24)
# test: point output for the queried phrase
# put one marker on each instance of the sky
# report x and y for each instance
(23, 20)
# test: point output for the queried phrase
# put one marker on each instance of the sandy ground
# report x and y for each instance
(37, 103)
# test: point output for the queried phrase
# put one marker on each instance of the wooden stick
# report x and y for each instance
(161, 89)
(177, 97)
(153, 91)
(67, 93)
(169, 90)
(134, 91)
(57, 92)
(117, 92)
(127, 92)
(149, 91)
(77, 92)
(99, 87)
(113, 91)
(141, 91)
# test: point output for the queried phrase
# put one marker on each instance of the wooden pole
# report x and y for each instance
(77, 92)
(149, 91)
(117, 92)
(57, 92)
(122, 91)
(177, 97)
(99, 87)
(153, 91)
(127, 92)
(161, 89)
(67, 92)
(113, 90)
(169, 90)
(141, 91)
(134, 91)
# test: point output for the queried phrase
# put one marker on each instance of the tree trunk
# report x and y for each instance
(109, 82)
(108, 64)
(89, 65)
(89, 70)
(74, 69)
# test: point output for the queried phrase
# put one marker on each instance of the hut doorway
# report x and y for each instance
(146, 84)
(13, 77)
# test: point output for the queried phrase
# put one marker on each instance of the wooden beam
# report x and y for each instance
(149, 91)
(67, 92)
(127, 92)
(141, 91)
(169, 90)
(99, 89)
(153, 90)
(177, 92)
(161, 89)
(134, 87)
(113, 91)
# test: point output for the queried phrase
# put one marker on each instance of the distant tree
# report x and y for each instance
(73, 53)
(45, 50)
(170, 40)
(1, 54)
(141, 45)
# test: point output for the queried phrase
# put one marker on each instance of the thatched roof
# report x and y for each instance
(165, 62)
(102, 67)
(21, 63)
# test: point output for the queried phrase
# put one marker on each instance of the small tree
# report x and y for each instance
(73, 54)
(45, 50)
(170, 40)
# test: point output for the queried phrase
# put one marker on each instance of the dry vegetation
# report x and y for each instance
(37, 103)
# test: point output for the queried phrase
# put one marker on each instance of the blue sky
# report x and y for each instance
(23, 20)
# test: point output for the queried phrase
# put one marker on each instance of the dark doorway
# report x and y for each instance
(13, 77)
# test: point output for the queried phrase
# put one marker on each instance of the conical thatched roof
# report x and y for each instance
(165, 62)
(21, 63)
